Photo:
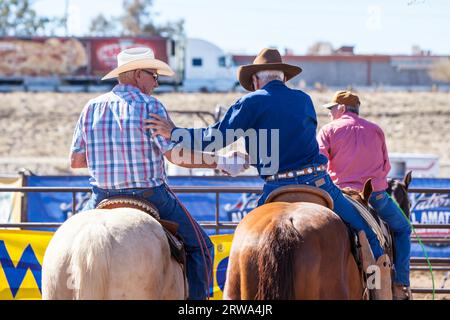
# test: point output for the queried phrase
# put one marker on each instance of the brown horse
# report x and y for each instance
(292, 251)
(296, 250)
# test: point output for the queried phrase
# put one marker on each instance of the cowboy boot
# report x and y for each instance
(384, 292)
(401, 292)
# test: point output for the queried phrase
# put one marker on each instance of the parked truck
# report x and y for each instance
(68, 63)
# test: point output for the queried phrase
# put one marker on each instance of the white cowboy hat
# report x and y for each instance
(138, 58)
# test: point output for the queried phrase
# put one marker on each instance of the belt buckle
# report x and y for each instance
(282, 175)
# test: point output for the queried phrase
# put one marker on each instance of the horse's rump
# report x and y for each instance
(290, 251)
(111, 254)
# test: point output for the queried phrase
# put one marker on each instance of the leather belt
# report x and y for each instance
(296, 173)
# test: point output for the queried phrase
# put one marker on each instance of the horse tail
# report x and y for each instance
(89, 264)
(276, 258)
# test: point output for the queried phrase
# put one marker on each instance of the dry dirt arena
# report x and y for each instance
(36, 130)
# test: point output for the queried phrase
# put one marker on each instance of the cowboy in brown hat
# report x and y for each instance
(267, 60)
(289, 116)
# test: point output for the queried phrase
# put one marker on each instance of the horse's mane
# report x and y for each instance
(276, 258)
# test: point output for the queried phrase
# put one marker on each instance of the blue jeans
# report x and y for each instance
(389, 211)
(342, 206)
(170, 209)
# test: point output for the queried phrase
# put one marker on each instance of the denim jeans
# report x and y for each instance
(342, 206)
(170, 209)
(389, 211)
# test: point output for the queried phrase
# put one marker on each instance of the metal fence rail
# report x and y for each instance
(417, 264)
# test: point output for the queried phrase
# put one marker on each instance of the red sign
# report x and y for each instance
(104, 51)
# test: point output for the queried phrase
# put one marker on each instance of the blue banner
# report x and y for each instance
(430, 208)
(57, 207)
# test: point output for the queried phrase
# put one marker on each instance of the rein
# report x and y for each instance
(201, 241)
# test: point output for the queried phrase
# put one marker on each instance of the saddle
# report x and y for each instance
(170, 228)
(301, 193)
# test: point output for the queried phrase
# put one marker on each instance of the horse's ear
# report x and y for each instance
(367, 190)
(407, 179)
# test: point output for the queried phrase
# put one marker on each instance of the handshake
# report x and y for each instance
(233, 163)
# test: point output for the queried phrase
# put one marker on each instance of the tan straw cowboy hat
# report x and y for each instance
(267, 59)
(138, 58)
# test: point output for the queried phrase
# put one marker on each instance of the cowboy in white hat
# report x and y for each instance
(135, 65)
(124, 159)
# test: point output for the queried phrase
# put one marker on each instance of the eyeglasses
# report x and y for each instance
(154, 75)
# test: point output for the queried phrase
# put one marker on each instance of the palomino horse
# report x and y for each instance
(296, 250)
(120, 253)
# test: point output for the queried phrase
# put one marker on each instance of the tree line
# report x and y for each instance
(18, 18)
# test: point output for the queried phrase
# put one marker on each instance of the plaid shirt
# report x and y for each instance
(120, 153)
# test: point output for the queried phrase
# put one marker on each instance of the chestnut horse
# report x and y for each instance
(120, 253)
(296, 250)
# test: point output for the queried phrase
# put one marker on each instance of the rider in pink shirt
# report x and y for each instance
(356, 150)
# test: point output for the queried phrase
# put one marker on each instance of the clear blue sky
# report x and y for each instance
(246, 26)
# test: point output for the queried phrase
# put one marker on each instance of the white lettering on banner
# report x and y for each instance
(432, 217)
(425, 201)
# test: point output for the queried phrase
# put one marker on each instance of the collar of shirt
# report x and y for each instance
(348, 115)
(272, 83)
(125, 88)
(351, 114)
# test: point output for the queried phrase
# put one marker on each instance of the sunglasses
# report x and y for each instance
(154, 75)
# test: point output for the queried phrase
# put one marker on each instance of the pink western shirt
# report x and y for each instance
(356, 150)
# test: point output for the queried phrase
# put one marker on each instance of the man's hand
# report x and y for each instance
(159, 126)
(233, 163)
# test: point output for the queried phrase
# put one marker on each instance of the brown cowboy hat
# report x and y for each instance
(267, 59)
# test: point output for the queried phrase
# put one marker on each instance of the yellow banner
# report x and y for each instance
(22, 252)
(10, 202)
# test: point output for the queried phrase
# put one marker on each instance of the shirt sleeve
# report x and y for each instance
(238, 119)
(386, 162)
(78, 139)
(324, 143)
(163, 144)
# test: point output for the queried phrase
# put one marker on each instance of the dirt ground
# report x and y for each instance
(36, 130)
(423, 279)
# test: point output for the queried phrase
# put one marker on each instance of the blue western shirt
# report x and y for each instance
(275, 106)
